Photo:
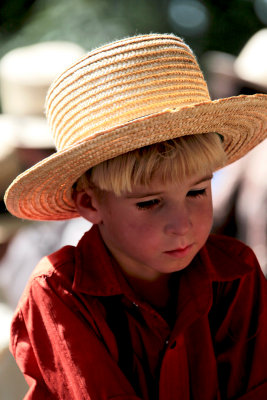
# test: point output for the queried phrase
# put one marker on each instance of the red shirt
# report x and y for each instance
(80, 332)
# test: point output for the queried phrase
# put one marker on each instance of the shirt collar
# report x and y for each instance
(215, 262)
(223, 259)
(94, 268)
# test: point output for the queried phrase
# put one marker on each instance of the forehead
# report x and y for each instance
(187, 180)
(157, 186)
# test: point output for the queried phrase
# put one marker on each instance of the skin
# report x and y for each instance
(152, 231)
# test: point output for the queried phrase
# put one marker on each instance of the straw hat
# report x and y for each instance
(120, 97)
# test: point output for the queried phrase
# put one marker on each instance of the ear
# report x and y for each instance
(87, 205)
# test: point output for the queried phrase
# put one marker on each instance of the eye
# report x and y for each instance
(197, 193)
(145, 205)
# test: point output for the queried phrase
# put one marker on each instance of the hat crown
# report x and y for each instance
(121, 82)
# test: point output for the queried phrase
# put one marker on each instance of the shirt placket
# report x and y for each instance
(193, 303)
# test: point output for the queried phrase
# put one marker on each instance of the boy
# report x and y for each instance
(148, 305)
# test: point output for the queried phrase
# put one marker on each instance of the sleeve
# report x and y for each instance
(59, 353)
(241, 334)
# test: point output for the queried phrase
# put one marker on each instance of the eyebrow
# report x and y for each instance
(142, 195)
(137, 195)
(204, 179)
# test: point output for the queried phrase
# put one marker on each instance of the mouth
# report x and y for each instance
(180, 251)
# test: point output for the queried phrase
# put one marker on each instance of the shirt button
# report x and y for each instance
(166, 342)
(135, 304)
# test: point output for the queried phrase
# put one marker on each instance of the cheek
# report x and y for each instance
(124, 226)
(141, 233)
(140, 229)
(202, 215)
(205, 217)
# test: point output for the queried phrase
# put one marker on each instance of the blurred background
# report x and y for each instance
(39, 38)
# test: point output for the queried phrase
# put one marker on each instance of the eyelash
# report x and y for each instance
(146, 205)
(197, 193)
(149, 204)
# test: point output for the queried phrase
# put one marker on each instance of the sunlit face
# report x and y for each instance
(157, 229)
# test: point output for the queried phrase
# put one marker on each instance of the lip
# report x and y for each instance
(179, 252)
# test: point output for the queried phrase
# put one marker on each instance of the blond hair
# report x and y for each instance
(172, 160)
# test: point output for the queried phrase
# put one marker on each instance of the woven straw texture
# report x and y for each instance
(123, 96)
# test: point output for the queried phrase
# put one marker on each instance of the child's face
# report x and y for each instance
(157, 229)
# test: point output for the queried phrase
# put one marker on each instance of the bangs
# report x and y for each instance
(172, 160)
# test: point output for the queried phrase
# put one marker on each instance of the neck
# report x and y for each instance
(155, 292)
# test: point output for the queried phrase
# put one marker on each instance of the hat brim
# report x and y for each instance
(44, 192)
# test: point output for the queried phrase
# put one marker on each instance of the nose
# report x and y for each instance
(178, 221)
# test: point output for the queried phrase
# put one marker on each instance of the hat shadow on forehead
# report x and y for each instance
(120, 97)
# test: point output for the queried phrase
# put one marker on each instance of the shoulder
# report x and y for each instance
(59, 272)
(55, 262)
(53, 274)
(63, 262)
